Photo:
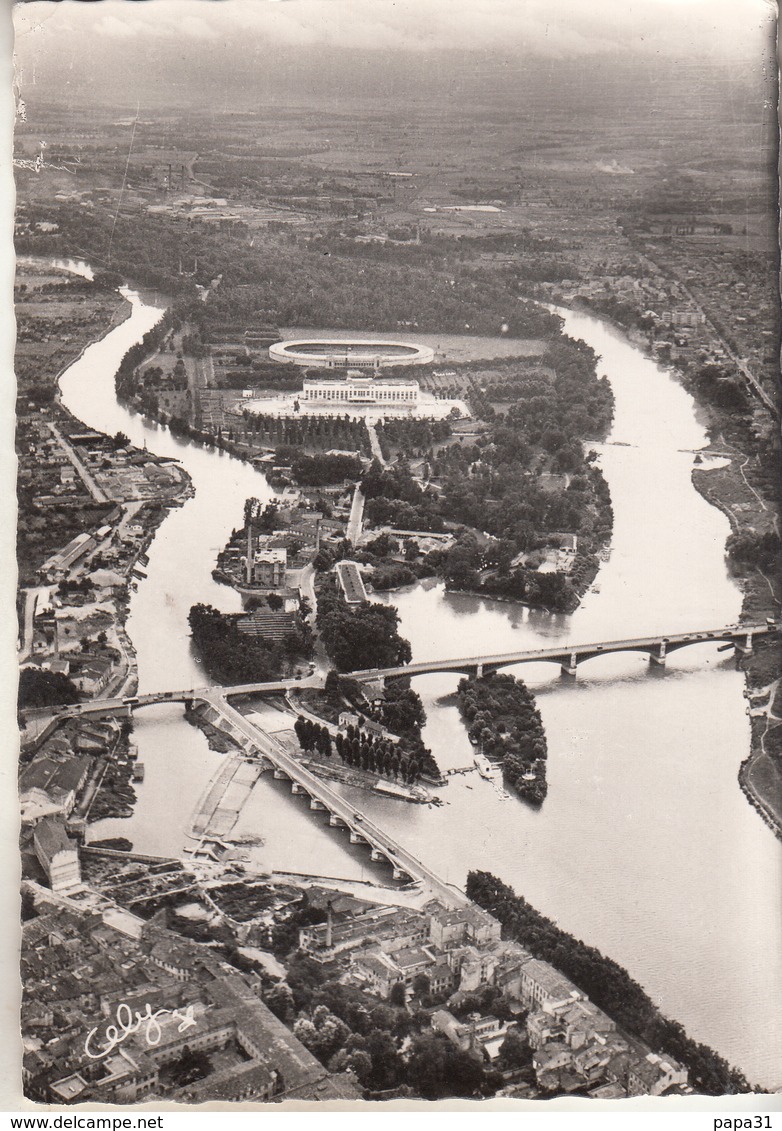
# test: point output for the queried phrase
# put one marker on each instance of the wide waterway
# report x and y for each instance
(645, 846)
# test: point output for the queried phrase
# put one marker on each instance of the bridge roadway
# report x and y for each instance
(569, 655)
(131, 703)
(323, 797)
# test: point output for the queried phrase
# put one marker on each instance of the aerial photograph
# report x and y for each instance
(398, 619)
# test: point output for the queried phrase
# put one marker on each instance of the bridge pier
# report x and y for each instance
(336, 822)
(570, 666)
(355, 838)
(317, 805)
(376, 855)
(296, 788)
(479, 672)
(280, 775)
(744, 648)
(657, 655)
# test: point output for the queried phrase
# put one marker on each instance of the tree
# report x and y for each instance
(45, 689)
(120, 440)
(515, 1051)
(191, 1066)
(397, 995)
(387, 1065)
(436, 1069)
(279, 999)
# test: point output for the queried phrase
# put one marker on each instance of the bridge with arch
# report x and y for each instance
(257, 744)
(569, 656)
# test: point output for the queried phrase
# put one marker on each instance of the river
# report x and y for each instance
(645, 846)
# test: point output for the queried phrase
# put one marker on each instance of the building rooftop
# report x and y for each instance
(51, 838)
(276, 1044)
(40, 774)
(549, 979)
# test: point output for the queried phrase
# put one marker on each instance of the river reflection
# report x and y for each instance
(645, 845)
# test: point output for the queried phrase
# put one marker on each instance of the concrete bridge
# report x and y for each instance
(322, 798)
(126, 705)
(257, 743)
(569, 656)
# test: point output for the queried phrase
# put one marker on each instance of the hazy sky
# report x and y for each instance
(552, 28)
(231, 54)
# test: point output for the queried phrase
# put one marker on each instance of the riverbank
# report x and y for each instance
(730, 489)
(619, 820)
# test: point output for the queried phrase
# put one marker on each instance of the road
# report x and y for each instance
(98, 495)
(356, 516)
(335, 804)
(731, 633)
(740, 362)
(374, 443)
(735, 634)
(26, 643)
(117, 703)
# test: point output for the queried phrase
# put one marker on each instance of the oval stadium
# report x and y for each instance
(328, 353)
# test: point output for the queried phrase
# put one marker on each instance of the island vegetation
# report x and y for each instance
(365, 636)
(232, 657)
(398, 710)
(503, 718)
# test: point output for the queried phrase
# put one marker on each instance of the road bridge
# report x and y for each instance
(126, 705)
(258, 744)
(322, 798)
(569, 656)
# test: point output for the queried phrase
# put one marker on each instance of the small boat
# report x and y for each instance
(138, 771)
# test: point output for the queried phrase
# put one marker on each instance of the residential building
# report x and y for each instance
(476, 1033)
(93, 676)
(57, 855)
(541, 982)
(654, 1075)
(469, 924)
(51, 785)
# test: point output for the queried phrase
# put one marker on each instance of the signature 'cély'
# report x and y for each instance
(130, 1021)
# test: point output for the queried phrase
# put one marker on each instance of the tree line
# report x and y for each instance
(605, 983)
(361, 750)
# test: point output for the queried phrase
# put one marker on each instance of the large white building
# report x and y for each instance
(360, 391)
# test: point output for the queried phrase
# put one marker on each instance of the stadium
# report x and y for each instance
(326, 353)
